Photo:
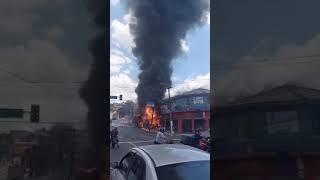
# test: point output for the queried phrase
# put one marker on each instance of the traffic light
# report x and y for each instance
(35, 113)
(120, 97)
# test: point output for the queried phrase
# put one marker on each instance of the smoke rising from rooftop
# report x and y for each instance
(158, 28)
(274, 34)
(94, 90)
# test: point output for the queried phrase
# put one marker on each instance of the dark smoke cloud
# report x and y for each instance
(158, 27)
(94, 90)
(246, 31)
(40, 45)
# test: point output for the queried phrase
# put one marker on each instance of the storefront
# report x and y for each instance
(190, 111)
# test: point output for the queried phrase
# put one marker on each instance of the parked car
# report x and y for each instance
(187, 139)
(162, 162)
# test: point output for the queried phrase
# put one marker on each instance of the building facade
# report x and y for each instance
(190, 111)
(271, 135)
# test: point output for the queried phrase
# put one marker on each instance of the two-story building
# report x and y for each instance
(272, 135)
(190, 111)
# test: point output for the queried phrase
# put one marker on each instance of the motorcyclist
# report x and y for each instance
(160, 138)
(197, 137)
(114, 135)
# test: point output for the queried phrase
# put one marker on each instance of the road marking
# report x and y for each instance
(142, 141)
(133, 144)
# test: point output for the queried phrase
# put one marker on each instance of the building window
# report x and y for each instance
(174, 124)
(282, 122)
(200, 124)
(187, 125)
(198, 100)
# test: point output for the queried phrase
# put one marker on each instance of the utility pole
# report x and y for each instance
(170, 108)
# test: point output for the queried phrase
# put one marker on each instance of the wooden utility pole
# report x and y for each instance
(170, 109)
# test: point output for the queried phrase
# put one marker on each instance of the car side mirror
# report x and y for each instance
(115, 165)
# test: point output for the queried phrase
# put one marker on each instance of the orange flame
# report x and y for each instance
(151, 115)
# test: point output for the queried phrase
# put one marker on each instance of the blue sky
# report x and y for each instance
(190, 71)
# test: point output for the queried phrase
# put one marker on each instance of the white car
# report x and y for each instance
(162, 162)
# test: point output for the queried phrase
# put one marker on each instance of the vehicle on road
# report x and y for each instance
(204, 144)
(162, 162)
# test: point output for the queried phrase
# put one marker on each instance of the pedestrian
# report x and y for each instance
(160, 138)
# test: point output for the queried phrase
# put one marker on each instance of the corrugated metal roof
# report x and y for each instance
(197, 91)
(281, 94)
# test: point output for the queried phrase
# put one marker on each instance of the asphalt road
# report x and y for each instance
(129, 137)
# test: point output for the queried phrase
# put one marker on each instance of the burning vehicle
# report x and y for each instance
(149, 117)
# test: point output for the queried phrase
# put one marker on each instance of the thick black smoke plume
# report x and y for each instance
(94, 91)
(158, 27)
(246, 32)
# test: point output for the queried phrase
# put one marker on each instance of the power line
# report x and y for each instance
(47, 82)
(268, 60)
(175, 82)
(263, 66)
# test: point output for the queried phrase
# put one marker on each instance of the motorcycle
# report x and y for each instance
(204, 144)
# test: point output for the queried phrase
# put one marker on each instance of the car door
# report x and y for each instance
(122, 171)
(138, 169)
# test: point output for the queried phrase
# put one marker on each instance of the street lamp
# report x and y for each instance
(170, 108)
(170, 105)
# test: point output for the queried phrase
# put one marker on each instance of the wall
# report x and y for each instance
(304, 140)
(187, 103)
(181, 116)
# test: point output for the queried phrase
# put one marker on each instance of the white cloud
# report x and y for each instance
(123, 84)
(121, 36)
(117, 60)
(114, 2)
(200, 81)
(129, 18)
(206, 18)
(184, 46)
(126, 71)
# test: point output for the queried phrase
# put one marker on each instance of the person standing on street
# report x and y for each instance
(114, 136)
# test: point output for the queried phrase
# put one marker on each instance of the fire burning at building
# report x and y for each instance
(150, 118)
(158, 29)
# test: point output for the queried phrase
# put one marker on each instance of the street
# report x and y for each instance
(129, 137)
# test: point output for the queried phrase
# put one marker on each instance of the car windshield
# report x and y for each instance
(185, 171)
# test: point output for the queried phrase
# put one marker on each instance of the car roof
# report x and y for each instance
(166, 154)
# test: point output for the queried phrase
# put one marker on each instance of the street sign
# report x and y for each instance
(113, 97)
(11, 113)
